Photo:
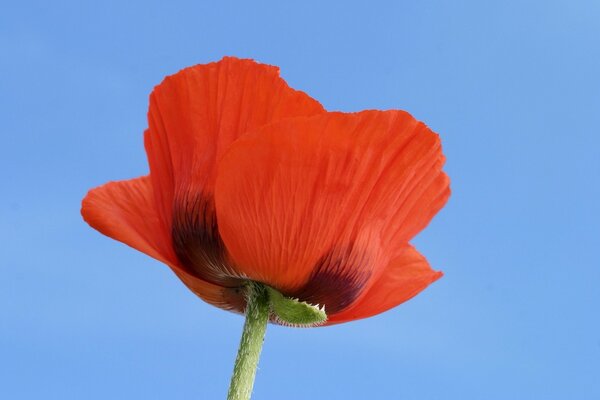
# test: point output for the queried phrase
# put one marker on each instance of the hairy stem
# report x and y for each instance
(257, 316)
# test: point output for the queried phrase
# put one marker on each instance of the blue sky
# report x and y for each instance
(513, 88)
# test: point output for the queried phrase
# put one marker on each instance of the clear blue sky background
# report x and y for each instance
(512, 87)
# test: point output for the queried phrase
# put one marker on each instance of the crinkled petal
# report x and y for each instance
(316, 206)
(404, 277)
(194, 117)
(125, 211)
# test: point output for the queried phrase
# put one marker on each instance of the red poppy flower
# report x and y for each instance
(252, 180)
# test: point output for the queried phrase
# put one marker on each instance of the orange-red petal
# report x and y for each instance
(316, 206)
(125, 211)
(405, 276)
(194, 117)
(197, 113)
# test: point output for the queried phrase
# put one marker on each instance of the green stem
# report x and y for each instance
(257, 316)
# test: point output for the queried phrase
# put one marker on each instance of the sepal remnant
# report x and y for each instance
(293, 312)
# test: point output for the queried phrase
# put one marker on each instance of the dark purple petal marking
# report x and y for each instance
(337, 280)
(197, 241)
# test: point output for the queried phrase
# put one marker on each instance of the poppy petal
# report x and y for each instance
(316, 206)
(405, 276)
(125, 211)
(197, 113)
(194, 117)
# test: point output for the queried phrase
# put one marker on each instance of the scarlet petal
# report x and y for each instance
(125, 211)
(317, 206)
(194, 117)
(196, 114)
(405, 276)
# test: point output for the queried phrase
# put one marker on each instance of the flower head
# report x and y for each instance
(251, 180)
